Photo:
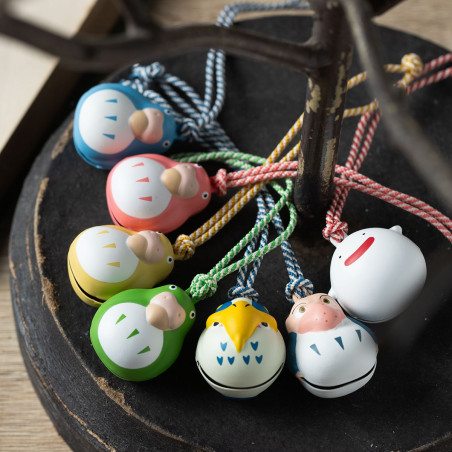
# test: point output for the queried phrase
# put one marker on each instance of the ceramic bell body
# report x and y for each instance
(241, 352)
(331, 354)
(113, 121)
(153, 192)
(139, 333)
(376, 272)
(105, 260)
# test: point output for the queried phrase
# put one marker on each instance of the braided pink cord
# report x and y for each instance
(349, 178)
(357, 181)
(436, 63)
(434, 78)
(223, 180)
(335, 229)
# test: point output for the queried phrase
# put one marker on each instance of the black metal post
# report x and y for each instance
(323, 112)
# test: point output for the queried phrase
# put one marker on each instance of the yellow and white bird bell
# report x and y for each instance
(241, 352)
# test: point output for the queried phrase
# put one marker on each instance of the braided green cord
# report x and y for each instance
(258, 227)
(222, 156)
(205, 285)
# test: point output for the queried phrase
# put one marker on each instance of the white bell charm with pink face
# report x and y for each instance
(331, 354)
(375, 273)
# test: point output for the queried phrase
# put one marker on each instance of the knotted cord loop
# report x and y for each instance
(412, 65)
(202, 286)
(219, 182)
(145, 75)
(183, 247)
(301, 287)
(335, 230)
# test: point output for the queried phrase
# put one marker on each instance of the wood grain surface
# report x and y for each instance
(23, 422)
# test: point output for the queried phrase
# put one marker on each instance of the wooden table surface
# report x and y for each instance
(23, 422)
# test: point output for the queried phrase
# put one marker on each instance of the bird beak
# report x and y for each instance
(147, 125)
(164, 312)
(241, 321)
(171, 179)
(157, 316)
(147, 246)
(181, 180)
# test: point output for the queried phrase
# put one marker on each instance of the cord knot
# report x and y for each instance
(412, 65)
(203, 286)
(241, 291)
(219, 182)
(191, 129)
(301, 287)
(184, 247)
(148, 73)
(336, 230)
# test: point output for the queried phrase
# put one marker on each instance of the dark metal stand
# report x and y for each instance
(320, 135)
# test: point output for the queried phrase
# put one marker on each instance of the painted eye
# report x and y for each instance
(192, 314)
(166, 144)
(169, 260)
(168, 111)
(301, 309)
(326, 301)
(216, 324)
(172, 287)
(198, 165)
(205, 195)
(264, 324)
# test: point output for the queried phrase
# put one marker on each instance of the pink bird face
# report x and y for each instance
(153, 192)
(318, 312)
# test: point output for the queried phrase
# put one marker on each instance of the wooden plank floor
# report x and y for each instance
(23, 422)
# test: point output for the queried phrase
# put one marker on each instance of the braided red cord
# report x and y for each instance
(434, 78)
(218, 182)
(335, 229)
(223, 180)
(406, 202)
(436, 63)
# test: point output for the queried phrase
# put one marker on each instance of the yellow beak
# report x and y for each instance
(240, 320)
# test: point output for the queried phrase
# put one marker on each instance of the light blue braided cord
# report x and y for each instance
(297, 284)
(245, 285)
(216, 58)
(196, 118)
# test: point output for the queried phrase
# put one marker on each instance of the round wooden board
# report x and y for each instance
(405, 406)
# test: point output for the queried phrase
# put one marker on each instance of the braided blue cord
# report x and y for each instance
(297, 284)
(216, 58)
(196, 117)
(244, 286)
